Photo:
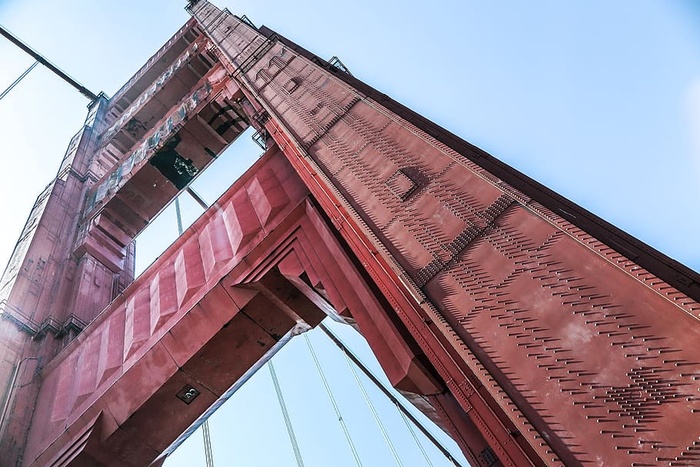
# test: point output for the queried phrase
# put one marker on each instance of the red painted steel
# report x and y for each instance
(527, 337)
(243, 276)
(558, 330)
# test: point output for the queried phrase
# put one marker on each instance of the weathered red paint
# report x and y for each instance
(534, 341)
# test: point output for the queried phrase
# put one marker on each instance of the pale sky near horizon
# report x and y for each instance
(598, 100)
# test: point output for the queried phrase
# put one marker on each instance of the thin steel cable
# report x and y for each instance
(335, 405)
(373, 410)
(197, 198)
(16, 82)
(178, 215)
(285, 414)
(39, 58)
(208, 454)
(388, 394)
(415, 437)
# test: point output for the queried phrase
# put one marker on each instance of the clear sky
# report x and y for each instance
(598, 100)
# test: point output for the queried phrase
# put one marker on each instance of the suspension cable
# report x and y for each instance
(197, 198)
(178, 216)
(208, 453)
(388, 394)
(335, 405)
(373, 410)
(428, 462)
(178, 213)
(285, 414)
(61, 74)
(16, 82)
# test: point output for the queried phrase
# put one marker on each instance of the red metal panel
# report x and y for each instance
(548, 333)
(154, 342)
(129, 339)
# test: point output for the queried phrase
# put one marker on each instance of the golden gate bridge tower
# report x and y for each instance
(533, 331)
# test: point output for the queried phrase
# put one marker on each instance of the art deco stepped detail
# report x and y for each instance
(533, 331)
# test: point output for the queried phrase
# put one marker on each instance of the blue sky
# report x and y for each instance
(598, 100)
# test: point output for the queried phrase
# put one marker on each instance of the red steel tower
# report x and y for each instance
(533, 331)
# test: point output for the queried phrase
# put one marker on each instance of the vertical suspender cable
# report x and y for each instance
(374, 412)
(178, 216)
(285, 414)
(16, 82)
(428, 462)
(335, 405)
(178, 213)
(208, 453)
(388, 394)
